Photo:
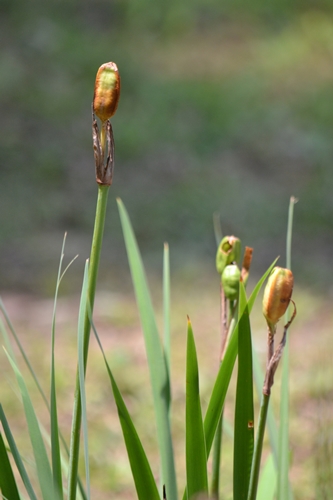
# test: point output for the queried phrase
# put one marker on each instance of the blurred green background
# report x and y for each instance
(225, 107)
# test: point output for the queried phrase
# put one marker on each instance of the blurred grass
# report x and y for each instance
(117, 321)
(225, 107)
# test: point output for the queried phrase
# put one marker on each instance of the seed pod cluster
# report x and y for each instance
(277, 295)
(107, 91)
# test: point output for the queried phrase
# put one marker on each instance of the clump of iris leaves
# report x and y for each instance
(56, 461)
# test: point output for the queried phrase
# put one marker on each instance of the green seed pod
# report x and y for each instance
(107, 91)
(277, 295)
(230, 281)
(227, 252)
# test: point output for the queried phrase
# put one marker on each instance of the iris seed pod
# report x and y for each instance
(107, 91)
(277, 295)
(230, 281)
(227, 252)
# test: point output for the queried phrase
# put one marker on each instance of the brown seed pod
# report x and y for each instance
(277, 295)
(107, 91)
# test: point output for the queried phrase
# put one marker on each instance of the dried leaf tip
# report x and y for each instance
(277, 295)
(107, 91)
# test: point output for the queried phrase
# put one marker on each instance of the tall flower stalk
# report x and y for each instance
(277, 297)
(228, 254)
(105, 102)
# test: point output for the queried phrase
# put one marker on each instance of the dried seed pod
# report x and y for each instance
(107, 91)
(277, 295)
(227, 252)
(247, 259)
(230, 281)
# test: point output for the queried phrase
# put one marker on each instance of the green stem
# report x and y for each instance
(258, 448)
(227, 326)
(95, 253)
(283, 484)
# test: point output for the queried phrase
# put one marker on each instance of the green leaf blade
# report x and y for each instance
(8, 486)
(42, 462)
(244, 412)
(16, 455)
(141, 471)
(142, 474)
(196, 456)
(157, 365)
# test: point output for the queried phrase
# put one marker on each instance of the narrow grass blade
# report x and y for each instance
(23, 354)
(42, 462)
(292, 203)
(217, 398)
(267, 483)
(6, 340)
(64, 462)
(143, 477)
(81, 369)
(21, 349)
(283, 485)
(29, 366)
(55, 444)
(16, 455)
(196, 457)
(55, 432)
(166, 317)
(166, 306)
(244, 412)
(12, 355)
(8, 486)
(156, 361)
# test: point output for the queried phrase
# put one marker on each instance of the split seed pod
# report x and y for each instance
(230, 281)
(277, 295)
(228, 251)
(107, 91)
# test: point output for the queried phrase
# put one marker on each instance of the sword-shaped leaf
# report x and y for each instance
(196, 456)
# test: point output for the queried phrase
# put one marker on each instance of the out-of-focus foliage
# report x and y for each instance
(225, 106)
